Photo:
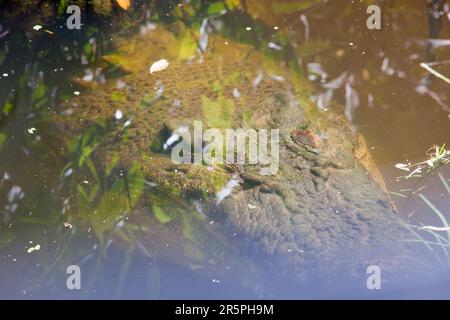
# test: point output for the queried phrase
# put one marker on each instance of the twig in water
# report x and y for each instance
(434, 72)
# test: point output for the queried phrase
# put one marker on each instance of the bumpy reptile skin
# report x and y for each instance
(322, 210)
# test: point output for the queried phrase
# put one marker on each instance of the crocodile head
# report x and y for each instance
(321, 210)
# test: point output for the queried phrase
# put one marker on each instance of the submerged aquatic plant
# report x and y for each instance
(438, 157)
(432, 237)
(439, 235)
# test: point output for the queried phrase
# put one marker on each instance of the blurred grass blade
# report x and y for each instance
(444, 183)
(124, 271)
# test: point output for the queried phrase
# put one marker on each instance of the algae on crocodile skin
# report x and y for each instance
(219, 112)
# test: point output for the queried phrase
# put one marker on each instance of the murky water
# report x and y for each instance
(58, 210)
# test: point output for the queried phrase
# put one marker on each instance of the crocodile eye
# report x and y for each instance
(162, 143)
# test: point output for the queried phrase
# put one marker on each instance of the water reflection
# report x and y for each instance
(60, 207)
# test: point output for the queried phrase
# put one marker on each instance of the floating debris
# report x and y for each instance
(118, 115)
(68, 172)
(226, 191)
(175, 136)
(434, 72)
(385, 68)
(37, 27)
(88, 75)
(351, 99)
(315, 70)
(402, 166)
(305, 22)
(438, 156)
(3, 33)
(434, 228)
(277, 78)
(437, 43)
(274, 46)
(337, 82)
(258, 79)
(150, 184)
(147, 28)
(159, 66)
(159, 91)
(31, 130)
(370, 100)
(203, 41)
(77, 93)
(120, 224)
(15, 194)
(35, 248)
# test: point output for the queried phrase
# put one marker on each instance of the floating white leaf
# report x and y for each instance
(159, 66)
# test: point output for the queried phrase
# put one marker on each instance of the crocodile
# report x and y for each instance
(323, 211)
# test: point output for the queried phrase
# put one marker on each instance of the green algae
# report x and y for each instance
(160, 215)
(219, 112)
